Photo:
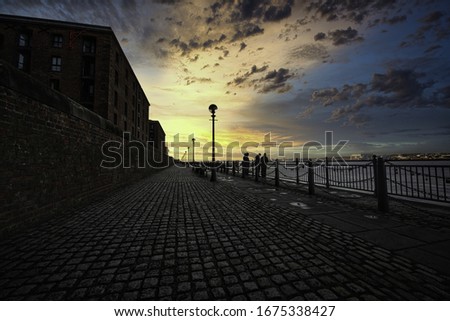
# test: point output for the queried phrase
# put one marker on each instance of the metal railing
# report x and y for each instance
(427, 182)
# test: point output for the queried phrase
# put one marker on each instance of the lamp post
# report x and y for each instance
(193, 151)
(212, 109)
(188, 156)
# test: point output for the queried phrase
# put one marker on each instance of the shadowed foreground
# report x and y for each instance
(175, 236)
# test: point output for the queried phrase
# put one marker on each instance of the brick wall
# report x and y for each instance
(50, 152)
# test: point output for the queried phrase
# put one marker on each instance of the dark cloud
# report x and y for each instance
(278, 13)
(432, 17)
(433, 28)
(320, 36)
(442, 95)
(261, 10)
(329, 96)
(433, 48)
(254, 11)
(167, 2)
(193, 44)
(246, 30)
(397, 88)
(243, 78)
(340, 36)
(344, 36)
(275, 81)
(355, 11)
(403, 85)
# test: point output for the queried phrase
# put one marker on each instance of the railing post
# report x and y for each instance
(297, 177)
(375, 175)
(233, 163)
(327, 164)
(383, 204)
(310, 178)
(277, 174)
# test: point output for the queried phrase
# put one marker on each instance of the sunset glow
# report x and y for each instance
(375, 74)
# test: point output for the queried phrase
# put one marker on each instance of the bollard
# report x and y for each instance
(277, 174)
(296, 171)
(310, 178)
(326, 172)
(383, 204)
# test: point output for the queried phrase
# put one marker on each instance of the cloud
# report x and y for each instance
(355, 11)
(432, 17)
(261, 10)
(191, 80)
(344, 36)
(403, 85)
(340, 36)
(433, 28)
(397, 88)
(243, 78)
(167, 2)
(278, 13)
(309, 52)
(275, 81)
(320, 36)
(246, 30)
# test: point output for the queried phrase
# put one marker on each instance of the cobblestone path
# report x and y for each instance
(175, 236)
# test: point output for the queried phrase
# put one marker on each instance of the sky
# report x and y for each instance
(375, 73)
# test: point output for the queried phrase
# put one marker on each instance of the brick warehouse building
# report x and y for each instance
(84, 62)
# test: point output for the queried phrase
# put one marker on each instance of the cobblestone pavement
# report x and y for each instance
(176, 236)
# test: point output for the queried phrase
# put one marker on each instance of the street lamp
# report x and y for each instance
(212, 109)
(193, 151)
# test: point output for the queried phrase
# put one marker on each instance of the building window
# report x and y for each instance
(54, 84)
(116, 99)
(89, 45)
(117, 57)
(115, 119)
(23, 62)
(126, 109)
(116, 78)
(125, 125)
(126, 91)
(87, 90)
(56, 63)
(88, 67)
(57, 41)
(24, 39)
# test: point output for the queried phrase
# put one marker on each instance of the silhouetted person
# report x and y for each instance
(264, 161)
(245, 165)
(257, 166)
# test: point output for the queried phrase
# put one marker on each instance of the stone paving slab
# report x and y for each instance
(176, 236)
(389, 240)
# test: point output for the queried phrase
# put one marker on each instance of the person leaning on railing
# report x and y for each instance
(264, 160)
(245, 165)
